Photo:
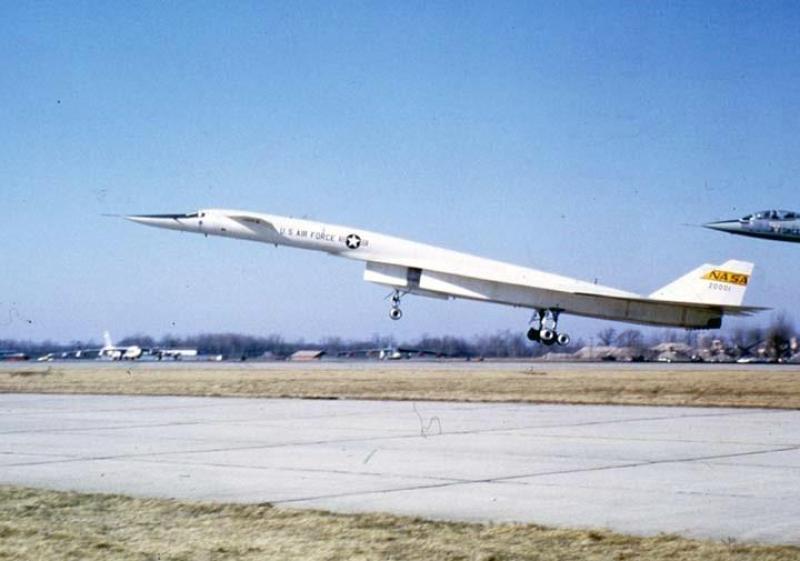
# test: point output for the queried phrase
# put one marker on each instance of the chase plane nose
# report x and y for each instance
(724, 226)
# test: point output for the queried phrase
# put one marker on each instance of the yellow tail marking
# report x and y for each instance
(719, 275)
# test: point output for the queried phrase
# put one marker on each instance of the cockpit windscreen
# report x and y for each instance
(772, 215)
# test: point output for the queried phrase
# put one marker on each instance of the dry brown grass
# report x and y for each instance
(56, 526)
(538, 383)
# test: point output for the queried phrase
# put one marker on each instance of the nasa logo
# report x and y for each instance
(353, 241)
(727, 276)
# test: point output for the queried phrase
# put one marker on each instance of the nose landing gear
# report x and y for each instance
(544, 328)
(395, 312)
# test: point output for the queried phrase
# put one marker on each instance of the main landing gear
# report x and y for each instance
(544, 328)
(395, 312)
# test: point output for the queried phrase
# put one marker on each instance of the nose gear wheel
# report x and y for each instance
(395, 312)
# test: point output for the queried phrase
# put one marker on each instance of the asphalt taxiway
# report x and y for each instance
(719, 473)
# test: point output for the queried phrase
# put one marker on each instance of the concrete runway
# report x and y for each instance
(719, 473)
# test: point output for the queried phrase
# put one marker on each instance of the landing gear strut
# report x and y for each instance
(395, 312)
(544, 328)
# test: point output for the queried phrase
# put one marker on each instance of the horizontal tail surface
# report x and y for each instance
(722, 285)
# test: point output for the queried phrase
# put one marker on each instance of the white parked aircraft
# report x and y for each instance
(697, 300)
(112, 352)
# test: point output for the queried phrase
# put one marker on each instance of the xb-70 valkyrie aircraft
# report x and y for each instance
(697, 300)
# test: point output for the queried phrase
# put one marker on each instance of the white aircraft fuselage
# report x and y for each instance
(696, 301)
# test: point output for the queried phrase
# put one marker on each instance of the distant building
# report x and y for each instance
(603, 352)
(716, 351)
(554, 356)
(673, 352)
(671, 346)
(307, 355)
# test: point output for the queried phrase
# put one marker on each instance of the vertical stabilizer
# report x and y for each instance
(722, 285)
(107, 339)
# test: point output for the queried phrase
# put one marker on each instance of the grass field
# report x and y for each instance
(534, 383)
(57, 526)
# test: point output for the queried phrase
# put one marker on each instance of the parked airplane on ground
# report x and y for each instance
(113, 352)
(390, 353)
(174, 354)
(783, 225)
(697, 300)
(110, 351)
(13, 356)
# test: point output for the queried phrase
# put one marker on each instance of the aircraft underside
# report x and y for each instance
(547, 305)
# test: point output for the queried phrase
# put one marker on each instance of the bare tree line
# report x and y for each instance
(775, 340)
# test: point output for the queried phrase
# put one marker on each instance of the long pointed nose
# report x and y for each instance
(731, 226)
(169, 221)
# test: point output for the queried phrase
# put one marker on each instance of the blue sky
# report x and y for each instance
(578, 138)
